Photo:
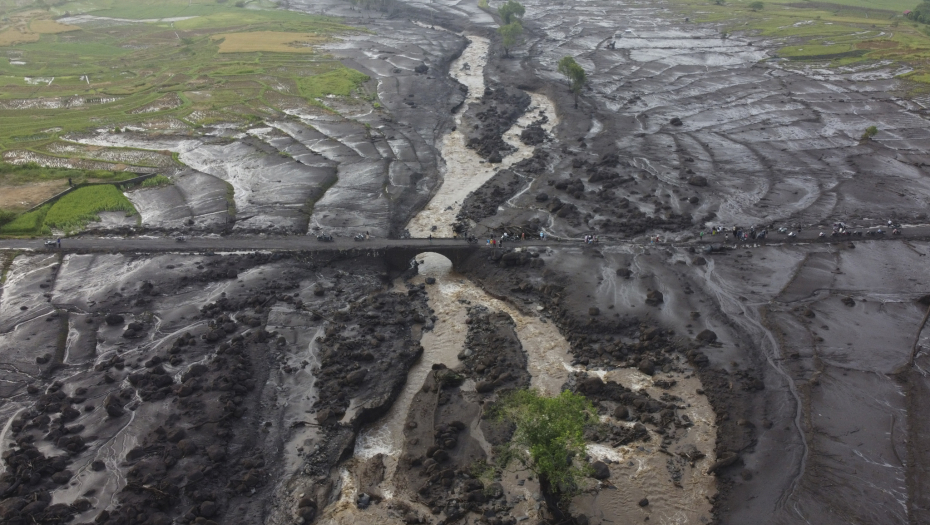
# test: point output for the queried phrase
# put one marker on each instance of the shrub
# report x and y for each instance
(756, 6)
(510, 11)
(156, 181)
(29, 223)
(870, 132)
(549, 433)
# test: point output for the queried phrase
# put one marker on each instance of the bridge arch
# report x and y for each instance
(399, 259)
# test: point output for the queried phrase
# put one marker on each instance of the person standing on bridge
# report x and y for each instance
(431, 238)
(59, 243)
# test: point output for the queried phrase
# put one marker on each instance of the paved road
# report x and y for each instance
(226, 244)
(309, 243)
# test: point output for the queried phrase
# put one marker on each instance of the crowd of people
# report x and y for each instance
(739, 234)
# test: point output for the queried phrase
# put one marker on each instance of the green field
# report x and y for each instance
(16, 174)
(152, 64)
(839, 32)
(155, 71)
(71, 212)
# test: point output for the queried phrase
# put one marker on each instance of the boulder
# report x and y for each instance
(675, 121)
(356, 377)
(654, 298)
(542, 197)
(421, 69)
(698, 180)
(594, 311)
(706, 336)
(600, 470)
(591, 385)
(495, 158)
(114, 319)
(208, 509)
(647, 366)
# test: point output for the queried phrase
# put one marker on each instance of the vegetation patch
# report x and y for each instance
(839, 32)
(29, 223)
(51, 27)
(156, 182)
(73, 211)
(548, 437)
(267, 41)
(341, 81)
(16, 174)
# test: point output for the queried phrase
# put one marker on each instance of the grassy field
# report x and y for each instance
(148, 64)
(69, 213)
(219, 62)
(840, 32)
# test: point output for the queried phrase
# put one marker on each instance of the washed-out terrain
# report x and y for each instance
(777, 380)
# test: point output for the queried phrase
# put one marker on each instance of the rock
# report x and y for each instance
(114, 319)
(542, 197)
(698, 180)
(649, 334)
(694, 200)
(207, 509)
(430, 280)
(654, 298)
(356, 377)
(622, 413)
(495, 158)
(724, 460)
(591, 385)
(318, 289)
(624, 273)
(600, 470)
(675, 121)
(644, 502)
(594, 311)
(363, 501)
(216, 453)
(706, 336)
(323, 415)
(848, 301)
(698, 261)
(98, 466)
(647, 366)
(421, 69)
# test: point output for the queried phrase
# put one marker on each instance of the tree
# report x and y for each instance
(575, 74)
(756, 6)
(511, 35)
(870, 132)
(548, 435)
(510, 10)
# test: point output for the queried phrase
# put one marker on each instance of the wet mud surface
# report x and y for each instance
(735, 382)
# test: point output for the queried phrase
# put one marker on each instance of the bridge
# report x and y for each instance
(396, 252)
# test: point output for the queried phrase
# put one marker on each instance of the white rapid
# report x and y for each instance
(465, 171)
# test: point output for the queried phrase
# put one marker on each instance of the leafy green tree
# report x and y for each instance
(548, 435)
(512, 9)
(575, 74)
(870, 132)
(756, 6)
(921, 13)
(511, 35)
